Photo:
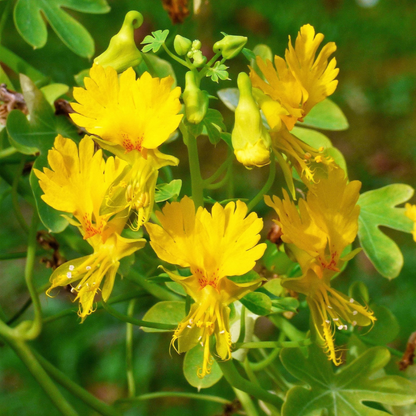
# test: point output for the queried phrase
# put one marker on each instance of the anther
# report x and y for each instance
(202, 344)
(329, 307)
(71, 267)
(328, 321)
(345, 327)
(188, 326)
(321, 149)
(341, 327)
(354, 323)
(223, 331)
(69, 275)
(354, 312)
(351, 300)
(336, 319)
(88, 267)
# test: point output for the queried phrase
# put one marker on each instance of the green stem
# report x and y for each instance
(273, 344)
(137, 322)
(115, 299)
(32, 364)
(242, 335)
(266, 186)
(15, 200)
(36, 326)
(154, 289)
(75, 389)
(129, 351)
(222, 182)
(196, 179)
(261, 365)
(249, 371)
(9, 151)
(208, 65)
(220, 170)
(234, 378)
(246, 402)
(23, 188)
(158, 395)
(181, 61)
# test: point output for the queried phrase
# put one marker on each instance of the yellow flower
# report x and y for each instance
(326, 223)
(411, 213)
(214, 246)
(134, 189)
(317, 234)
(86, 273)
(78, 181)
(298, 82)
(129, 114)
(330, 309)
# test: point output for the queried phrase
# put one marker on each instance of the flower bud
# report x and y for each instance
(196, 101)
(199, 59)
(196, 44)
(181, 45)
(122, 52)
(230, 46)
(251, 140)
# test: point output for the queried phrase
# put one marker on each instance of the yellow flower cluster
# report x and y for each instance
(132, 117)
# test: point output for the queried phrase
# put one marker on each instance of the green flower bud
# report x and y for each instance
(230, 46)
(199, 59)
(251, 140)
(122, 52)
(196, 101)
(182, 45)
(196, 44)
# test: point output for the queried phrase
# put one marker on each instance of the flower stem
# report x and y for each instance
(75, 389)
(181, 61)
(196, 179)
(234, 378)
(220, 170)
(246, 402)
(129, 351)
(274, 344)
(266, 186)
(32, 364)
(35, 328)
(138, 322)
(158, 395)
(7, 152)
(261, 365)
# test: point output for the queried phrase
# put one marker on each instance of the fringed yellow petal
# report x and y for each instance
(137, 115)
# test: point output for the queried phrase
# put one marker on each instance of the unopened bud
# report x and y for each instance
(251, 140)
(196, 101)
(182, 45)
(122, 52)
(230, 46)
(199, 59)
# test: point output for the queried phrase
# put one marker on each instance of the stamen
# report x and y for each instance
(71, 267)
(202, 344)
(328, 321)
(223, 331)
(354, 312)
(345, 327)
(188, 326)
(191, 321)
(199, 339)
(69, 275)
(341, 327)
(72, 290)
(354, 323)
(351, 300)
(336, 319)
(79, 286)
(88, 285)
(329, 307)
(88, 267)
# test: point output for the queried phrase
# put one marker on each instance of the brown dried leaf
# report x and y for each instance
(177, 9)
(409, 354)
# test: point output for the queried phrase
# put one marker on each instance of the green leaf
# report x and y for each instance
(230, 97)
(165, 312)
(4, 79)
(385, 329)
(38, 135)
(276, 261)
(218, 71)
(258, 303)
(287, 304)
(213, 124)
(53, 91)
(342, 393)
(250, 55)
(326, 115)
(29, 18)
(378, 208)
(166, 191)
(192, 362)
(250, 276)
(176, 287)
(155, 42)
(157, 67)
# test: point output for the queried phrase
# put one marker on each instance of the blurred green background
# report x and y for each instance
(377, 91)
